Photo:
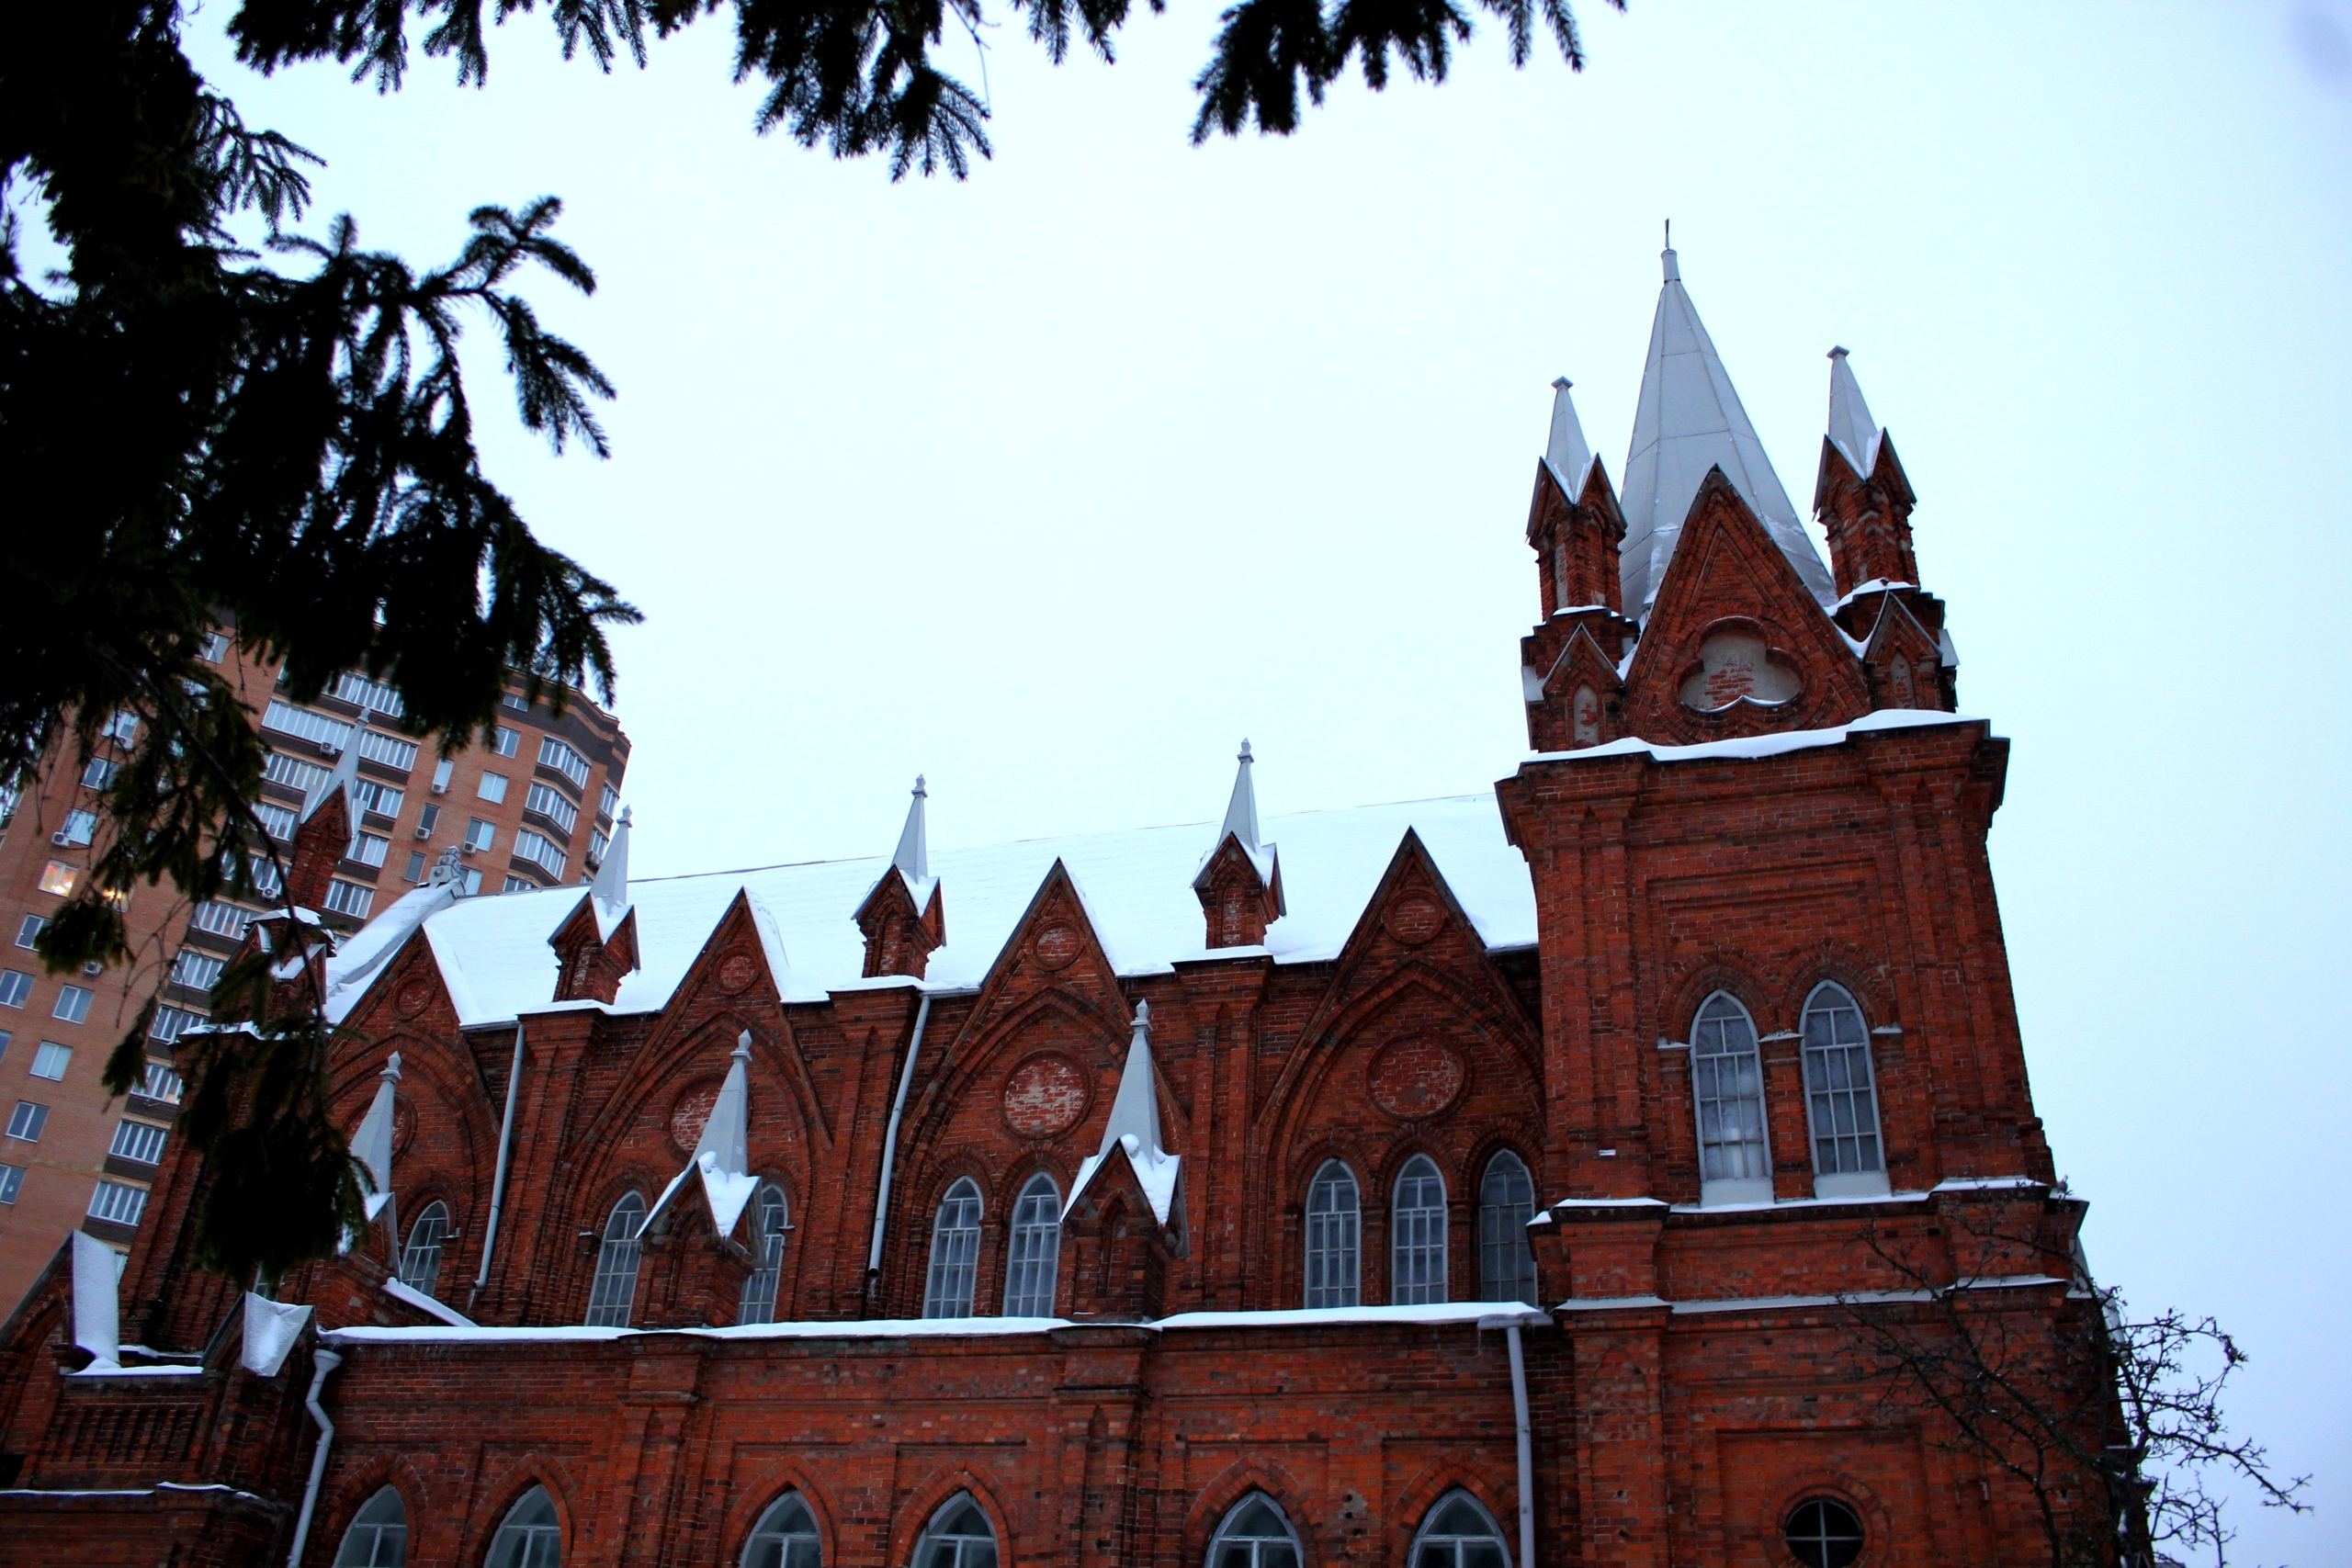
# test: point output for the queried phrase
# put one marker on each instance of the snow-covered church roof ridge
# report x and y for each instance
(1689, 420)
(1566, 451)
(1851, 429)
(1133, 1126)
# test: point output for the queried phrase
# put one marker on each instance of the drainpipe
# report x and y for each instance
(325, 1361)
(1526, 1453)
(498, 1182)
(890, 1149)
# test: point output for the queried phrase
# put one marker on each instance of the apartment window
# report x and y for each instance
(26, 1120)
(100, 774)
(12, 1182)
(220, 919)
(786, 1537)
(597, 845)
(492, 787)
(139, 1141)
(388, 750)
(7, 1038)
(260, 874)
(276, 820)
(359, 691)
(80, 827)
(504, 741)
(350, 898)
(122, 729)
(118, 1201)
(293, 772)
(517, 701)
(162, 1083)
(1841, 1097)
(169, 1021)
(541, 851)
(1728, 1082)
(518, 884)
(1333, 1229)
(215, 647)
(772, 1220)
(369, 848)
(379, 1534)
(15, 986)
(550, 804)
(381, 799)
(1417, 1235)
(415, 869)
(615, 1288)
(59, 877)
(480, 835)
(955, 1252)
(428, 816)
(1036, 1249)
(1506, 1203)
(302, 724)
(50, 1060)
(607, 801)
(1254, 1534)
(72, 1004)
(556, 754)
(441, 772)
(421, 1259)
(1459, 1533)
(470, 881)
(958, 1536)
(28, 930)
(197, 971)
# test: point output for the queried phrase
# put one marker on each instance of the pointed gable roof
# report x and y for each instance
(1689, 420)
(1133, 1130)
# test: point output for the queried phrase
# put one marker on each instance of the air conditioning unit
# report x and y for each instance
(423, 831)
(328, 749)
(58, 838)
(440, 787)
(94, 967)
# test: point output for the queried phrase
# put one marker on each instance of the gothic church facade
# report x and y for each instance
(1493, 1182)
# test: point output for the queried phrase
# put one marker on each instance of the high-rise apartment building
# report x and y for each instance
(532, 810)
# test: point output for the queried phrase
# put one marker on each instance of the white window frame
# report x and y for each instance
(492, 787)
(1229, 1550)
(72, 1004)
(27, 1123)
(142, 1143)
(80, 827)
(117, 1202)
(369, 849)
(503, 741)
(428, 1236)
(52, 1060)
(352, 898)
(954, 1273)
(58, 878)
(559, 755)
(1847, 1134)
(1032, 1252)
(613, 1292)
(1452, 1549)
(16, 986)
(1417, 1235)
(1734, 1135)
(528, 1542)
(770, 1223)
(786, 1536)
(550, 803)
(1334, 1237)
(372, 1529)
(936, 1548)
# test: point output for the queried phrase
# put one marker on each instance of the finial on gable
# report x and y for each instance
(913, 856)
(611, 873)
(742, 1052)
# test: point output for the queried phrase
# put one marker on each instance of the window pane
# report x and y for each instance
(1036, 1250)
(614, 1290)
(1417, 1236)
(1727, 1080)
(1840, 1097)
(1333, 1228)
(955, 1252)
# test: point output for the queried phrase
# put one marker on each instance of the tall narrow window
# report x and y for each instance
(614, 1290)
(959, 1535)
(770, 1220)
(1334, 1226)
(786, 1537)
(379, 1534)
(955, 1252)
(1417, 1235)
(1254, 1534)
(421, 1259)
(529, 1537)
(1036, 1249)
(1727, 1080)
(1459, 1533)
(1840, 1097)
(1506, 1203)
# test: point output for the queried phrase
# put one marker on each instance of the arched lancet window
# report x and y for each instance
(1506, 1203)
(1417, 1235)
(1254, 1534)
(959, 1535)
(1029, 1263)
(379, 1534)
(529, 1537)
(1727, 1080)
(1459, 1533)
(771, 1217)
(421, 1260)
(1823, 1533)
(614, 1290)
(955, 1252)
(1333, 1229)
(786, 1537)
(1840, 1097)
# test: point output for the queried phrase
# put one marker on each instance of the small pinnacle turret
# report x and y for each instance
(1240, 881)
(1565, 453)
(902, 919)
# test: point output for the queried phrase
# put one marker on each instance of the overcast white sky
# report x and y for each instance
(1054, 483)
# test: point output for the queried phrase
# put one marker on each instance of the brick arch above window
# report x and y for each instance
(931, 1494)
(1228, 1488)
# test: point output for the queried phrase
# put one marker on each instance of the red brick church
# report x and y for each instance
(1490, 1182)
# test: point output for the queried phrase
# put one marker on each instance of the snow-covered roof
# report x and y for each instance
(1136, 884)
(1689, 420)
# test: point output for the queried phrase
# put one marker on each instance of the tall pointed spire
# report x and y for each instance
(1242, 811)
(372, 1145)
(1565, 453)
(611, 885)
(1689, 420)
(1134, 1127)
(913, 856)
(722, 1154)
(345, 775)
(1851, 429)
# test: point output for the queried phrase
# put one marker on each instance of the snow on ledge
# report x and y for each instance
(1755, 746)
(1487, 1315)
(425, 1303)
(1986, 1183)
(101, 1371)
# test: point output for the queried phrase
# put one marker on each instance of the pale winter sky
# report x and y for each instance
(1054, 483)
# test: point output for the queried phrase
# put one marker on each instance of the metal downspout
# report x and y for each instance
(1526, 1453)
(325, 1361)
(498, 1181)
(890, 1149)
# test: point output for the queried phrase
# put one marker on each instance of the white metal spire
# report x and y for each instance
(1689, 420)
(1851, 429)
(1241, 810)
(913, 856)
(96, 1318)
(1133, 1126)
(372, 1145)
(611, 885)
(722, 1154)
(344, 776)
(1565, 453)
